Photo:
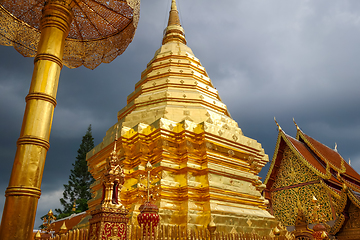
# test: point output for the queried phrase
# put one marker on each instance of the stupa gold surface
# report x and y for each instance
(176, 120)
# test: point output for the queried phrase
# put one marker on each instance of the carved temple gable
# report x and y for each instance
(295, 183)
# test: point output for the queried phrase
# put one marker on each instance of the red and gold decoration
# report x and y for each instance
(320, 232)
(319, 229)
(110, 220)
(56, 33)
(310, 183)
(149, 217)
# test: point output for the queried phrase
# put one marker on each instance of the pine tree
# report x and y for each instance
(78, 187)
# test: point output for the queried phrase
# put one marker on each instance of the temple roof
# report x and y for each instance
(348, 195)
(330, 156)
(70, 221)
(325, 162)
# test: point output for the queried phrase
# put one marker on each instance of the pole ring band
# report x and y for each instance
(33, 140)
(49, 57)
(41, 96)
(23, 191)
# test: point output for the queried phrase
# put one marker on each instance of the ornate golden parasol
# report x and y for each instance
(100, 31)
(55, 32)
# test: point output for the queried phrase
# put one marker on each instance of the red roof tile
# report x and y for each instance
(333, 157)
(70, 221)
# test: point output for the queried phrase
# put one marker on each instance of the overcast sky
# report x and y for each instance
(282, 58)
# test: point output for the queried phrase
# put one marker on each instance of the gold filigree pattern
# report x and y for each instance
(285, 208)
(282, 136)
(291, 186)
(338, 224)
(292, 171)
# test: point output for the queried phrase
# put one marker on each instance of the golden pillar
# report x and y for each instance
(24, 191)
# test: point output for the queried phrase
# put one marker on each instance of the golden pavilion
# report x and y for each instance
(204, 168)
(309, 183)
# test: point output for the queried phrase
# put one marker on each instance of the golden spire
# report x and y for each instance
(63, 228)
(174, 15)
(277, 124)
(38, 235)
(297, 127)
(174, 32)
(74, 206)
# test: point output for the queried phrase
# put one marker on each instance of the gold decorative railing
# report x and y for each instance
(175, 232)
(77, 234)
(167, 232)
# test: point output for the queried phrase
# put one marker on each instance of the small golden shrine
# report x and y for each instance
(308, 183)
(175, 120)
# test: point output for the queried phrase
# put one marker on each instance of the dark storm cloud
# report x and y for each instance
(282, 58)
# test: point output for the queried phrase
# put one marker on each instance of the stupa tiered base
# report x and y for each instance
(207, 171)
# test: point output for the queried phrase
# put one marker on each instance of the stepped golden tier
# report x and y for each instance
(175, 119)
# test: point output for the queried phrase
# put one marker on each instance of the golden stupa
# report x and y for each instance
(175, 120)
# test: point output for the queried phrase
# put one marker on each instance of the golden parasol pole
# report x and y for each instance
(24, 191)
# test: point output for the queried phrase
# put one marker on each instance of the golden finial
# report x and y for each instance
(48, 221)
(174, 15)
(349, 162)
(148, 166)
(174, 31)
(38, 235)
(335, 148)
(50, 213)
(63, 228)
(276, 231)
(113, 156)
(173, 5)
(74, 206)
(116, 137)
(297, 127)
(277, 124)
(150, 188)
(211, 226)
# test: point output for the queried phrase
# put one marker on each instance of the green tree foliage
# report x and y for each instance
(78, 187)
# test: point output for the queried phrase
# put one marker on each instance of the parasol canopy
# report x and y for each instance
(100, 31)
